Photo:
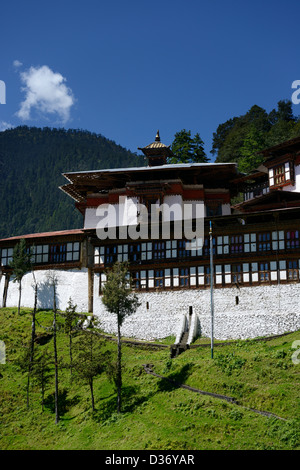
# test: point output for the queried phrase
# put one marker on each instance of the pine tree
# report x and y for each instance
(20, 265)
(89, 360)
(188, 149)
(70, 320)
(119, 299)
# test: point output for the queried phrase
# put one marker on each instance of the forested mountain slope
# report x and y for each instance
(32, 161)
(241, 138)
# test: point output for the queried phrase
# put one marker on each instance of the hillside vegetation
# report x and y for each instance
(157, 414)
(32, 161)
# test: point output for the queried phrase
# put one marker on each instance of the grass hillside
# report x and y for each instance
(157, 414)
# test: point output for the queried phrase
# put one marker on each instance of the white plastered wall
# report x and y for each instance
(70, 283)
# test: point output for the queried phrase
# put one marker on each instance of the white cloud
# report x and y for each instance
(45, 92)
(5, 125)
(17, 63)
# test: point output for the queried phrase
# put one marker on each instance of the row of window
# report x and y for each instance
(280, 174)
(222, 245)
(199, 276)
(47, 254)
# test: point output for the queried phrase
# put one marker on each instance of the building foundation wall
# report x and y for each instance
(70, 283)
(247, 312)
(259, 311)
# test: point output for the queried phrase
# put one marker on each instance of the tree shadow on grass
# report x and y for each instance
(175, 379)
(64, 403)
(107, 410)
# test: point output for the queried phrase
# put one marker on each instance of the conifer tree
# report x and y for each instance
(70, 320)
(89, 360)
(119, 300)
(20, 265)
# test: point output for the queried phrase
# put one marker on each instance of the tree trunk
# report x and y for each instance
(119, 369)
(70, 351)
(55, 355)
(20, 293)
(92, 394)
(43, 390)
(32, 342)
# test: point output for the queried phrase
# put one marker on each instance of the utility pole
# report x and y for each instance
(211, 290)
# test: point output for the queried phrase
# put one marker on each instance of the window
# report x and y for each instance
(236, 244)
(159, 250)
(264, 272)
(122, 253)
(264, 241)
(171, 249)
(183, 252)
(99, 254)
(62, 252)
(196, 247)
(292, 239)
(159, 278)
(135, 280)
(135, 252)
(292, 270)
(207, 275)
(249, 242)
(146, 251)
(236, 274)
(168, 281)
(110, 254)
(280, 174)
(278, 240)
(40, 254)
(207, 246)
(6, 256)
(223, 245)
(184, 277)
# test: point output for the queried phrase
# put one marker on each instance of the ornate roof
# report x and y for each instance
(157, 149)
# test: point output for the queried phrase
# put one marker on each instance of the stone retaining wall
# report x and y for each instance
(260, 311)
(242, 313)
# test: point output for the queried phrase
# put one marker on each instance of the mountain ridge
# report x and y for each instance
(32, 163)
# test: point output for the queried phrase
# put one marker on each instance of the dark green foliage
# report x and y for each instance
(20, 265)
(32, 161)
(70, 322)
(89, 361)
(42, 372)
(240, 139)
(187, 149)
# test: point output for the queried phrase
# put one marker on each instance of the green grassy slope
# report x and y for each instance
(156, 414)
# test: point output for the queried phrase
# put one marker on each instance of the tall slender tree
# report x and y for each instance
(70, 321)
(119, 299)
(89, 360)
(20, 265)
(53, 281)
(31, 355)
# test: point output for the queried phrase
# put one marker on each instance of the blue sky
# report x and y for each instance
(127, 68)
